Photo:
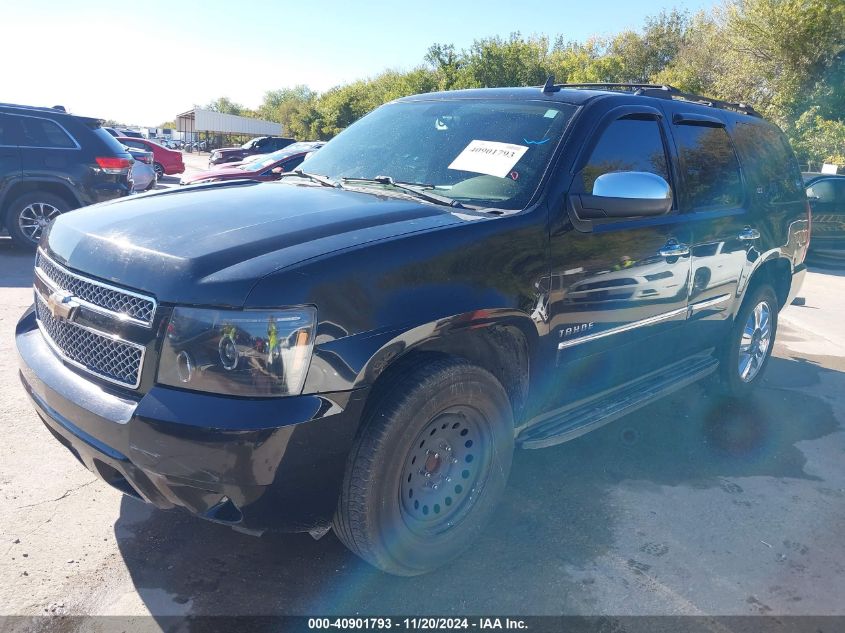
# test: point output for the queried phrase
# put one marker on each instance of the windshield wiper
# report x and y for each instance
(322, 180)
(409, 187)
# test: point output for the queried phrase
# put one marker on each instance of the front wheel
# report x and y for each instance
(159, 169)
(747, 351)
(428, 467)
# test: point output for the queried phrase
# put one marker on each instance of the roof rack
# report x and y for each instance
(661, 91)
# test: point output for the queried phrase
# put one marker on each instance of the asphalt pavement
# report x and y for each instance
(689, 506)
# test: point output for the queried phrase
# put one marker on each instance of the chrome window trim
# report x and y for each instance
(657, 318)
(709, 303)
(43, 118)
(60, 353)
(116, 315)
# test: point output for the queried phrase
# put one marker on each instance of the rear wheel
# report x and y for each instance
(30, 214)
(428, 467)
(752, 338)
(159, 169)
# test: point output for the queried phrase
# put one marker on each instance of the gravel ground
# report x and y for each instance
(690, 506)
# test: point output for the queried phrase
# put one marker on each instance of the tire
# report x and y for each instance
(736, 380)
(25, 212)
(159, 169)
(393, 515)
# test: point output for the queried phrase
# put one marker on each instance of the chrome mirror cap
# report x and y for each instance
(632, 184)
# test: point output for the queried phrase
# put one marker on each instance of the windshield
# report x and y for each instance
(268, 160)
(249, 143)
(487, 153)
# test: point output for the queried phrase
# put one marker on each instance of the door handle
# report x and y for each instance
(748, 234)
(673, 248)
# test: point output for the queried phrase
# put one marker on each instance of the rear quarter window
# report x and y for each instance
(112, 144)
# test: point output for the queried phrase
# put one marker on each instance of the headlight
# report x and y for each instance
(238, 352)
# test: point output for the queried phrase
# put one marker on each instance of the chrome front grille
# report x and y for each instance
(108, 357)
(97, 295)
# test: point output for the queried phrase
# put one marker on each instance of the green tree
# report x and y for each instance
(225, 105)
(495, 62)
(446, 64)
(819, 140)
(293, 107)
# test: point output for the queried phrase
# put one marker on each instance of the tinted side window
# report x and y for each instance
(112, 144)
(7, 135)
(710, 167)
(44, 133)
(768, 162)
(828, 191)
(293, 163)
(627, 144)
(135, 144)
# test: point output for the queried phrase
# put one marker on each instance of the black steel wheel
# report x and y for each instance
(428, 467)
(447, 464)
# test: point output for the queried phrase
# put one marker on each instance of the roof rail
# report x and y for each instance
(56, 108)
(661, 91)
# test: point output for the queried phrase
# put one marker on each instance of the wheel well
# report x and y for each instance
(30, 186)
(778, 274)
(501, 350)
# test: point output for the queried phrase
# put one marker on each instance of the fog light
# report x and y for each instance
(184, 366)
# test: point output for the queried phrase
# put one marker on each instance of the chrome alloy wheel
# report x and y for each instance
(756, 338)
(34, 217)
(445, 471)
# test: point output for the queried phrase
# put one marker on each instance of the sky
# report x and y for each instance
(142, 62)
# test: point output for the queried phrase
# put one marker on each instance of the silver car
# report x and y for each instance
(143, 173)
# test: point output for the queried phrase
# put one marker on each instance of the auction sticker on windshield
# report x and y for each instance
(489, 157)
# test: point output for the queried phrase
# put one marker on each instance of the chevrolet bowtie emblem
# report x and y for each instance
(62, 305)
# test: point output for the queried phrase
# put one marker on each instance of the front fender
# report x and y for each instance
(358, 360)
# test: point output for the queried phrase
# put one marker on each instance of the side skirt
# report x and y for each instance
(573, 420)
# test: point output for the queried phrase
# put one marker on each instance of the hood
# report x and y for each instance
(225, 171)
(228, 151)
(209, 244)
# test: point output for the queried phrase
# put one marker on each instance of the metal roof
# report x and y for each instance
(199, 120)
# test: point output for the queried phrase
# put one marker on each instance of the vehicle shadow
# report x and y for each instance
(828, 268)
(15, 265)
(558, 514)
(166, 182)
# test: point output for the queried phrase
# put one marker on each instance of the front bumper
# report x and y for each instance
(255, 464)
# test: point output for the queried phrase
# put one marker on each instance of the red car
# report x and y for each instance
(166, 161)
(265, 167)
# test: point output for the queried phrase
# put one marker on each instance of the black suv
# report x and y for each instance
(52, 162)
(362, 343)
(260, 145)
(827, 200)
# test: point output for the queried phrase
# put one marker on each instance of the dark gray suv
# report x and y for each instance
(52, 162)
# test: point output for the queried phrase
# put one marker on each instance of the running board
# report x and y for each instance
(576, 419)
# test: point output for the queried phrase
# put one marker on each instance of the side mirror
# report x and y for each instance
(625, 194)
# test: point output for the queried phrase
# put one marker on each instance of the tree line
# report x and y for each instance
(784, 57)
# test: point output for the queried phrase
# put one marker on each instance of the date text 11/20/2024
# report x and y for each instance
(422, 623)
